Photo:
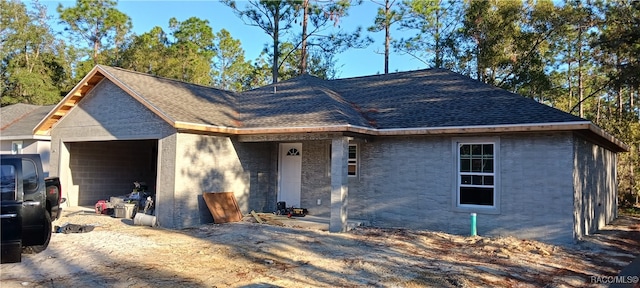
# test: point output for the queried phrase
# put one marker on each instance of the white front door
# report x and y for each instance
(290, 173)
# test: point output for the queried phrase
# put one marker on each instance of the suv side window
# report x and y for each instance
(8, 182)
(29, 175)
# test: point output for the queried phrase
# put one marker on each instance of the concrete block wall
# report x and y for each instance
(404, 182)
(316, 178)
(220, 164)
(410, 182)
(259, 160)
(205, 164)
(537, 188)
(108, 168)
(107, 113)
(166, 182)
(596, 187)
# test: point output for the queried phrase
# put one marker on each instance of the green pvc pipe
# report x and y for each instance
(474, 231)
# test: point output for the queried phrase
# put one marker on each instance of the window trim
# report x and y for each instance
(356, 161)
(17, 147)
(353, 161)
(455, 145)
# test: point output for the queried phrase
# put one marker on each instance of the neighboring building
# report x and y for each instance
(419, 149)
(17, 122)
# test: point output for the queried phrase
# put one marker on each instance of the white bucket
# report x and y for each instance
(144, 220)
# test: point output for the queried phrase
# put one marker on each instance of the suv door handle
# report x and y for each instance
(31, 203)
(4, 216)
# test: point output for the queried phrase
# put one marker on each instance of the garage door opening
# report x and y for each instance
(101, 169)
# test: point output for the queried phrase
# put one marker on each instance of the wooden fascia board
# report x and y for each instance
(515, 128)
(183, 126)
(48, 121)
(609, 138)
(388, 132)
(27, 137)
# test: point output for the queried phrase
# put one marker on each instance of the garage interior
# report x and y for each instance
(101, 169)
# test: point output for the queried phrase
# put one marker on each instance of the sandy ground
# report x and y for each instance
(282, 254)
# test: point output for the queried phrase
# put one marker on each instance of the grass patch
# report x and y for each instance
(633, 211)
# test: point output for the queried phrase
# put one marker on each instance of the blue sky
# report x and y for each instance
(145, 14)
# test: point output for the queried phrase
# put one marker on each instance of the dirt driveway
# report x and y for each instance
(248, 254)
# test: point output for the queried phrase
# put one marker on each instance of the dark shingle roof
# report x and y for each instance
(441, 98)
(427, 98)
(181, 101)
(304, 101)
(20, 119)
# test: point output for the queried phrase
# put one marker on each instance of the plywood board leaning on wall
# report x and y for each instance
(223, 206)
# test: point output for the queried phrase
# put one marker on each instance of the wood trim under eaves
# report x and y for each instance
(597, 134)
(69, 102)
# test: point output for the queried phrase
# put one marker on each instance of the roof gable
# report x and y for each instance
(178, 101)
(174, 101)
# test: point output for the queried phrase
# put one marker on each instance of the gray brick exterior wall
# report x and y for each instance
(260, 160)
(537, 190)
(410, 182)
(218, 164)
(596, 187)
(316, 180)
(165, 191)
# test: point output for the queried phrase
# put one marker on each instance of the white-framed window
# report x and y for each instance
(477, 173)
(16, 147)
(352, 166)
(353, 160)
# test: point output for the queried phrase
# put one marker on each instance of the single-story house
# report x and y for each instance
(420, 149)
(17, 122)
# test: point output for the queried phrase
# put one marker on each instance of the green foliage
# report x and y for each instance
(621, 37)
(630, 210)
(277, 18)
(435, 23)
(32, 71)
(274, 17)
(98, 22)
(192, 52)
(318, 45)
(147, 52)
(231, 71)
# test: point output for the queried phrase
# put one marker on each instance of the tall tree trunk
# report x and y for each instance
(26, 58)
(303, 46)
(276, 31)
(620, 103)
(478, 65)
(598, 113)
(438, 52)
(387, 36)
(619, 96)
(570, 84)
(580, 87)
(96, 46)
(631, 103)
